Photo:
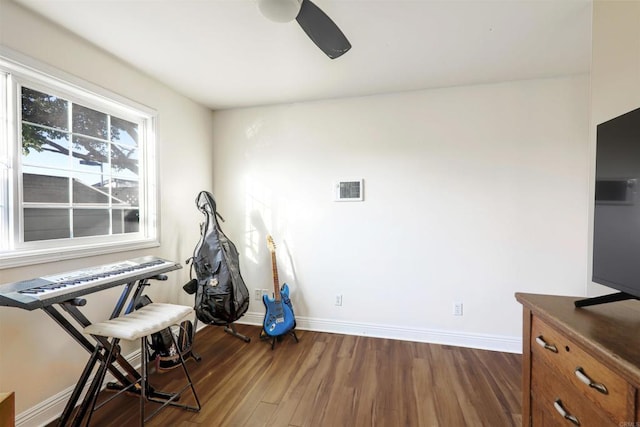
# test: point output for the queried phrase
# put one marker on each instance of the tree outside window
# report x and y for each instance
(77, 168)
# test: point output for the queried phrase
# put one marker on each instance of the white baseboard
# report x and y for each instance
(49, 410)
(480, 341)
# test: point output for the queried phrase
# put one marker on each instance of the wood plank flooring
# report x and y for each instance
(335, 380)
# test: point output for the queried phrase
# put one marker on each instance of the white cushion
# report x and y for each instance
(147, 320)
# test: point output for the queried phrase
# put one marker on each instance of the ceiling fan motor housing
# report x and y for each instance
(280, 10)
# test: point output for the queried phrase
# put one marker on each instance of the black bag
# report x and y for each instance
(163, 349)
(221, 294)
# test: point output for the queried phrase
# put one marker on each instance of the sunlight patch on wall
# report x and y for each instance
(258, 217)
(254, 129)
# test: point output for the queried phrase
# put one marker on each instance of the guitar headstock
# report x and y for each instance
(270, 244)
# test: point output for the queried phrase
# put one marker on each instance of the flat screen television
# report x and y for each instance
(616, 222)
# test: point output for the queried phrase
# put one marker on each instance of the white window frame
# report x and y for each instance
(16, 70)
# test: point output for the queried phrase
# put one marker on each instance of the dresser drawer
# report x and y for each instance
(587, 377)
(552, 393)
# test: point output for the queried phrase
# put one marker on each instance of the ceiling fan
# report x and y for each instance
(318, 26)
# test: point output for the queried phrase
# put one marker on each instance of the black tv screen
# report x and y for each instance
(616, 227)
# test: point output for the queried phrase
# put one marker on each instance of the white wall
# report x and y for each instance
(471, 194)
(615, 79)
(37, 359)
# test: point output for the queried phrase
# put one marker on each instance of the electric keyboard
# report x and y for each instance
(45, 291)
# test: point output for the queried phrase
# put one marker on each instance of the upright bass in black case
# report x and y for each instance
(221, 294)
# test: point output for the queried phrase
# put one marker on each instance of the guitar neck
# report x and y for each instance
(276, 282)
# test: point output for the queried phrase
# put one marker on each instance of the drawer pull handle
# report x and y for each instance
(558, 405)
(546, 346)
(585, 379)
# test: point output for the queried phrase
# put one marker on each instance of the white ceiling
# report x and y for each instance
(225, 54)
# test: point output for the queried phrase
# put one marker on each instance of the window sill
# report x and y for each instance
(22, 258)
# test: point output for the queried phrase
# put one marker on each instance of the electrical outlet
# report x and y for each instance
(257, 294)
(457, 308)
(339, 300)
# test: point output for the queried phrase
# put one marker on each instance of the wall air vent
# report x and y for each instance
(349, 190)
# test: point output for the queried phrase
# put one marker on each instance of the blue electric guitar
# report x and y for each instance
(279, 318)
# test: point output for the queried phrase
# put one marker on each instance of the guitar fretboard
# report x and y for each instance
(276, 282)
(274, 268)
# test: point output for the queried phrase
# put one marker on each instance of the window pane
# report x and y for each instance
(88, 188)
(117, 219)
(90, 155)
(90, 222)
(44, 109)
(126, 221)
(43, 188)
(89, 122)
(125, 192)
(44, 147)
(124, 161)
(46, 224)
(124, 132)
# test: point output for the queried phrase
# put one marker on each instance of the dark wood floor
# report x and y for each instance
(336, 380)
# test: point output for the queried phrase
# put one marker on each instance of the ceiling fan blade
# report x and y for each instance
(322, 30)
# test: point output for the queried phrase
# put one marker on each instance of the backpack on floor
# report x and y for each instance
(162, 348)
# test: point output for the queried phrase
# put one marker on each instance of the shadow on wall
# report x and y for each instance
(256, 249)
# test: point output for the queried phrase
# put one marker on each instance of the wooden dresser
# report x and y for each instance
(581, 366)
(7, 409)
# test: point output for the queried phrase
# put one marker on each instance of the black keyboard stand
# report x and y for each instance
(61, 296)
(126, 375)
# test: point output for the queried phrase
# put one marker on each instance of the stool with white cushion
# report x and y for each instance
(139, 324)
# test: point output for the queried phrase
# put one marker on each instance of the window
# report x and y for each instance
(77, 168)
